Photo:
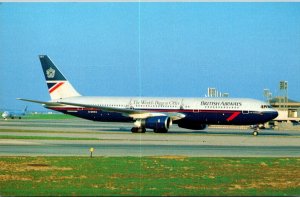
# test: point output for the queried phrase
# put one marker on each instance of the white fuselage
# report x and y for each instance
(170, 103)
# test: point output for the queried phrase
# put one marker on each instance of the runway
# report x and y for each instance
(115, 139)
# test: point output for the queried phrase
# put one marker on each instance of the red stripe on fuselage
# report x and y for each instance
(233, 116)
(55, 87)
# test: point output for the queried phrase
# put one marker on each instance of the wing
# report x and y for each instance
(135, 114)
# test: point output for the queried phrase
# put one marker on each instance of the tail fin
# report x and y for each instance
(25, 109)
(58, 85)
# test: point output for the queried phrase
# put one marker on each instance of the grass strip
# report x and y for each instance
(149, 176)
(46, 131)
(48, 116)
(43, 138)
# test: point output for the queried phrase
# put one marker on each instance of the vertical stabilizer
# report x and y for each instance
(58, 86)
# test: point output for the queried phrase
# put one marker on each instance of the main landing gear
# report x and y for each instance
(138, 129)
(143, 130)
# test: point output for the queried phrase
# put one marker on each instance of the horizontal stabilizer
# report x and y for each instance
(41, 102)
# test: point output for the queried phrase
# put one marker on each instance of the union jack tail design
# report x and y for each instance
(58, 86)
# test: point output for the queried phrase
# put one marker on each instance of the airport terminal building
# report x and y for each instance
(288, 114)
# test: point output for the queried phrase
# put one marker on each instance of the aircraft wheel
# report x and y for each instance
(138, 130)
(134, 129)
(142, 130)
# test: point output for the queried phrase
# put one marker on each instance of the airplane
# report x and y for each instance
(157, 113)
(14, 114)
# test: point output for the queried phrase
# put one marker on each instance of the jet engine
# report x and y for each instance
(192, 125)
(158, 122)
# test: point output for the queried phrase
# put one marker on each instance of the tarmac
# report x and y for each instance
(116, 139)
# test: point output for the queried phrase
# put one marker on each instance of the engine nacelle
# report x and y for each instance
(158, 122)
(192, 125)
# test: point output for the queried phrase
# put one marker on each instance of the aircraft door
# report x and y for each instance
(196, 114)
(196, 110)
(245, 112)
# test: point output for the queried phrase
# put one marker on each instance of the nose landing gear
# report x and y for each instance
(255, 131)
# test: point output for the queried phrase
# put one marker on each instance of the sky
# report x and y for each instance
(149, 49)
